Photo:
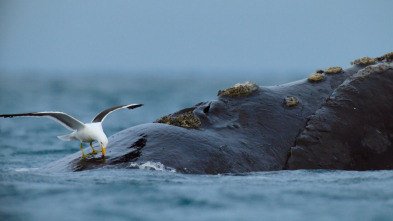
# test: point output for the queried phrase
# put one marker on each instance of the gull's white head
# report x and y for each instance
(103, 143)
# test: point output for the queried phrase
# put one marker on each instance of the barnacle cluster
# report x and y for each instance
(239, 90)
(186, 120)
(315, 77)
(387, 57)
(364, 61)
(291, 101)
(333, 70)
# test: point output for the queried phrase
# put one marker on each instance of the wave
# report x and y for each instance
(25, 169)
(150, 165)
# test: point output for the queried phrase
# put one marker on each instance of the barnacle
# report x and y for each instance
(319, 71)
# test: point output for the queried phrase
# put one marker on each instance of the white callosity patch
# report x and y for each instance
(374, 69)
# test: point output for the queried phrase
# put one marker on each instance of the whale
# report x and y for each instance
(337, 119)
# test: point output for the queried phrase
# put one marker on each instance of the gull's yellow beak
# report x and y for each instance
(103, 150)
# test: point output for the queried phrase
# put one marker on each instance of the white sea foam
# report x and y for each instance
(25, 169)
(149, 165)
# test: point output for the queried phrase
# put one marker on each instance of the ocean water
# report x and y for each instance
(150, 192)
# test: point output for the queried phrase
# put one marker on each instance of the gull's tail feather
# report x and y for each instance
(67, 137)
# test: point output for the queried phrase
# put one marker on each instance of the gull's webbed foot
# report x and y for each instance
(83, 154)
(94, 151)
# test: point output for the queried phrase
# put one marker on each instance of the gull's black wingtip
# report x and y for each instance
(132, 106)
(7, 115)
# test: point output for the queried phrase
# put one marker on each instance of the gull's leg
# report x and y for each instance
(83, 154)
(94, 151)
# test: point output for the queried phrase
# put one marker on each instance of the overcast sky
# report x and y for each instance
(93, 35)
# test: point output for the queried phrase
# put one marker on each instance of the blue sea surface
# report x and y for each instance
(152, 193)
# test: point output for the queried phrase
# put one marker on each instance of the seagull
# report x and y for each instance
(84, 132)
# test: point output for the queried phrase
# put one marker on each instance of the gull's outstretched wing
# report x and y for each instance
(101, 116)
(66, 120)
